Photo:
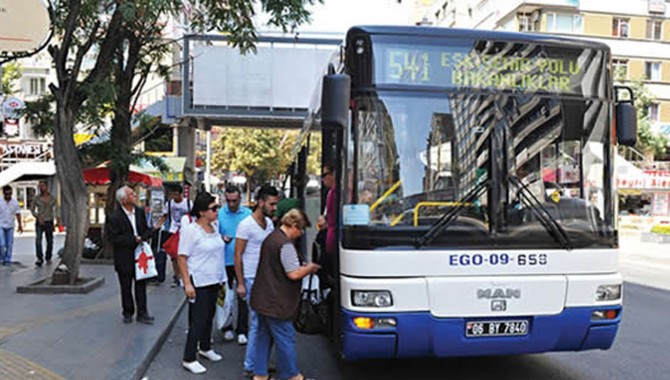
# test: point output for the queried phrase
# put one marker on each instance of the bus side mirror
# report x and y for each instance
(626, 116)
(335, 97)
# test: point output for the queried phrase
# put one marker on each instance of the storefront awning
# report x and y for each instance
(100, 176)
(175, 172)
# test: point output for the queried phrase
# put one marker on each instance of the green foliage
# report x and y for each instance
(234, 18)
(11, 72)
(261, 154)
(662, 229)
(314, 157)
(649, 142)
(41, 116)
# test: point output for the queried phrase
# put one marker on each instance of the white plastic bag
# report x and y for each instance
(311, 286)
(226, 308)
(145, 263)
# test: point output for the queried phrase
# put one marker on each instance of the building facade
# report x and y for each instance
(637, 31)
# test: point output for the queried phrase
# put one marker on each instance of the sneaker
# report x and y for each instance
(210, 355)
(228, 336)
(241, 339)
(175, 282)
(38, 263)
(194, 367)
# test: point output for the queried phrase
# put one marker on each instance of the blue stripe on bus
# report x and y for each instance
(423, 335)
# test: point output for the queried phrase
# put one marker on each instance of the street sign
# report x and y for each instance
(24, 25)
(12, 107)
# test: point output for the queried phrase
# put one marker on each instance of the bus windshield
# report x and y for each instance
(416, 156)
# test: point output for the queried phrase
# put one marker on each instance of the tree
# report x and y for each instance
(113, 32)
(11, 72)
(261, 154)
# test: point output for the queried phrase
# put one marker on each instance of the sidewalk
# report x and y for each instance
(69, 336)
(644, 263)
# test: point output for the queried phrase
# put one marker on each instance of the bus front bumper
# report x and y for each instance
(419, 334)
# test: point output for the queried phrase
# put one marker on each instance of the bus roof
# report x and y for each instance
(426, 31)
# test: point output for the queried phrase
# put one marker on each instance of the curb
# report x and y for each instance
(146, 362)
(41, 287)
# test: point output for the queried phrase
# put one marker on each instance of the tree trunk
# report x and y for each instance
(73, 190)
(121, 145)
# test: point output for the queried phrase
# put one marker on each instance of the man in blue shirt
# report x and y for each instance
(230, 216)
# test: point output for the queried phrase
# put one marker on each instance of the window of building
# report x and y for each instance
(564, 23)
(653, 113)
(528, 22)
(652, 71)
(620, 27)
(38, 86)
(620, 67)
(654, 29)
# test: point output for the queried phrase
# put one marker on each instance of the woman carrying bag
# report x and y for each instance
(276, 296)
(201, 267)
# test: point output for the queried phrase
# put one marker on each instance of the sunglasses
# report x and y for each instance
(325, 174)
(214, 208)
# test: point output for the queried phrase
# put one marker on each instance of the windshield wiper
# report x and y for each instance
(450, 216)
(545, 218)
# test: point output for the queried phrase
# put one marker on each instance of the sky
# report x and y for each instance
(336, 16)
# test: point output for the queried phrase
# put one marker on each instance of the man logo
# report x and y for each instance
(498, 305)
(496, 293)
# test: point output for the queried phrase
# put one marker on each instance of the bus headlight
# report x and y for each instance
(608, 292)
(371, 298)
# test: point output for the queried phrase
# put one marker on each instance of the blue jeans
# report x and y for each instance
(250, 355)
(47, 229)
(280, 331)
(6, 245)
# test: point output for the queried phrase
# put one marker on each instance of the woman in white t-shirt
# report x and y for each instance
(202, 269)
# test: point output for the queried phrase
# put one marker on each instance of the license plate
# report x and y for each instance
(496, 328)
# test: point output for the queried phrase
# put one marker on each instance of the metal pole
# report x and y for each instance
(208, 163)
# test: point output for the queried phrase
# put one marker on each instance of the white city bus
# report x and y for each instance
(476, 212)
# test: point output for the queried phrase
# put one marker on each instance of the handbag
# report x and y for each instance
(312, 315)
(145, 263)
(171, 245)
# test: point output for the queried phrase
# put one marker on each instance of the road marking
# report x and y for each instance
(15, 367)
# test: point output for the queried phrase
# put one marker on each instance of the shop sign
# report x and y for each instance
(644, 182)
(168, 176)
(12, 107)
(23, 150)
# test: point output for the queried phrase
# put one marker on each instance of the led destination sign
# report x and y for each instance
(559, 71)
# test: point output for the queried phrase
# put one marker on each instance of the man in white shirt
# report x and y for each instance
(248, 240)
(175, 208)
(9, 211)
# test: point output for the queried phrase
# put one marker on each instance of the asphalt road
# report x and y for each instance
(640, 352)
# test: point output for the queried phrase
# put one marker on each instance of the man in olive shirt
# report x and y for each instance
(43, 210)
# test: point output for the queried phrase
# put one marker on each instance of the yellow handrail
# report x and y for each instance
(435, 204)
(385, 195)
(397, 220)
